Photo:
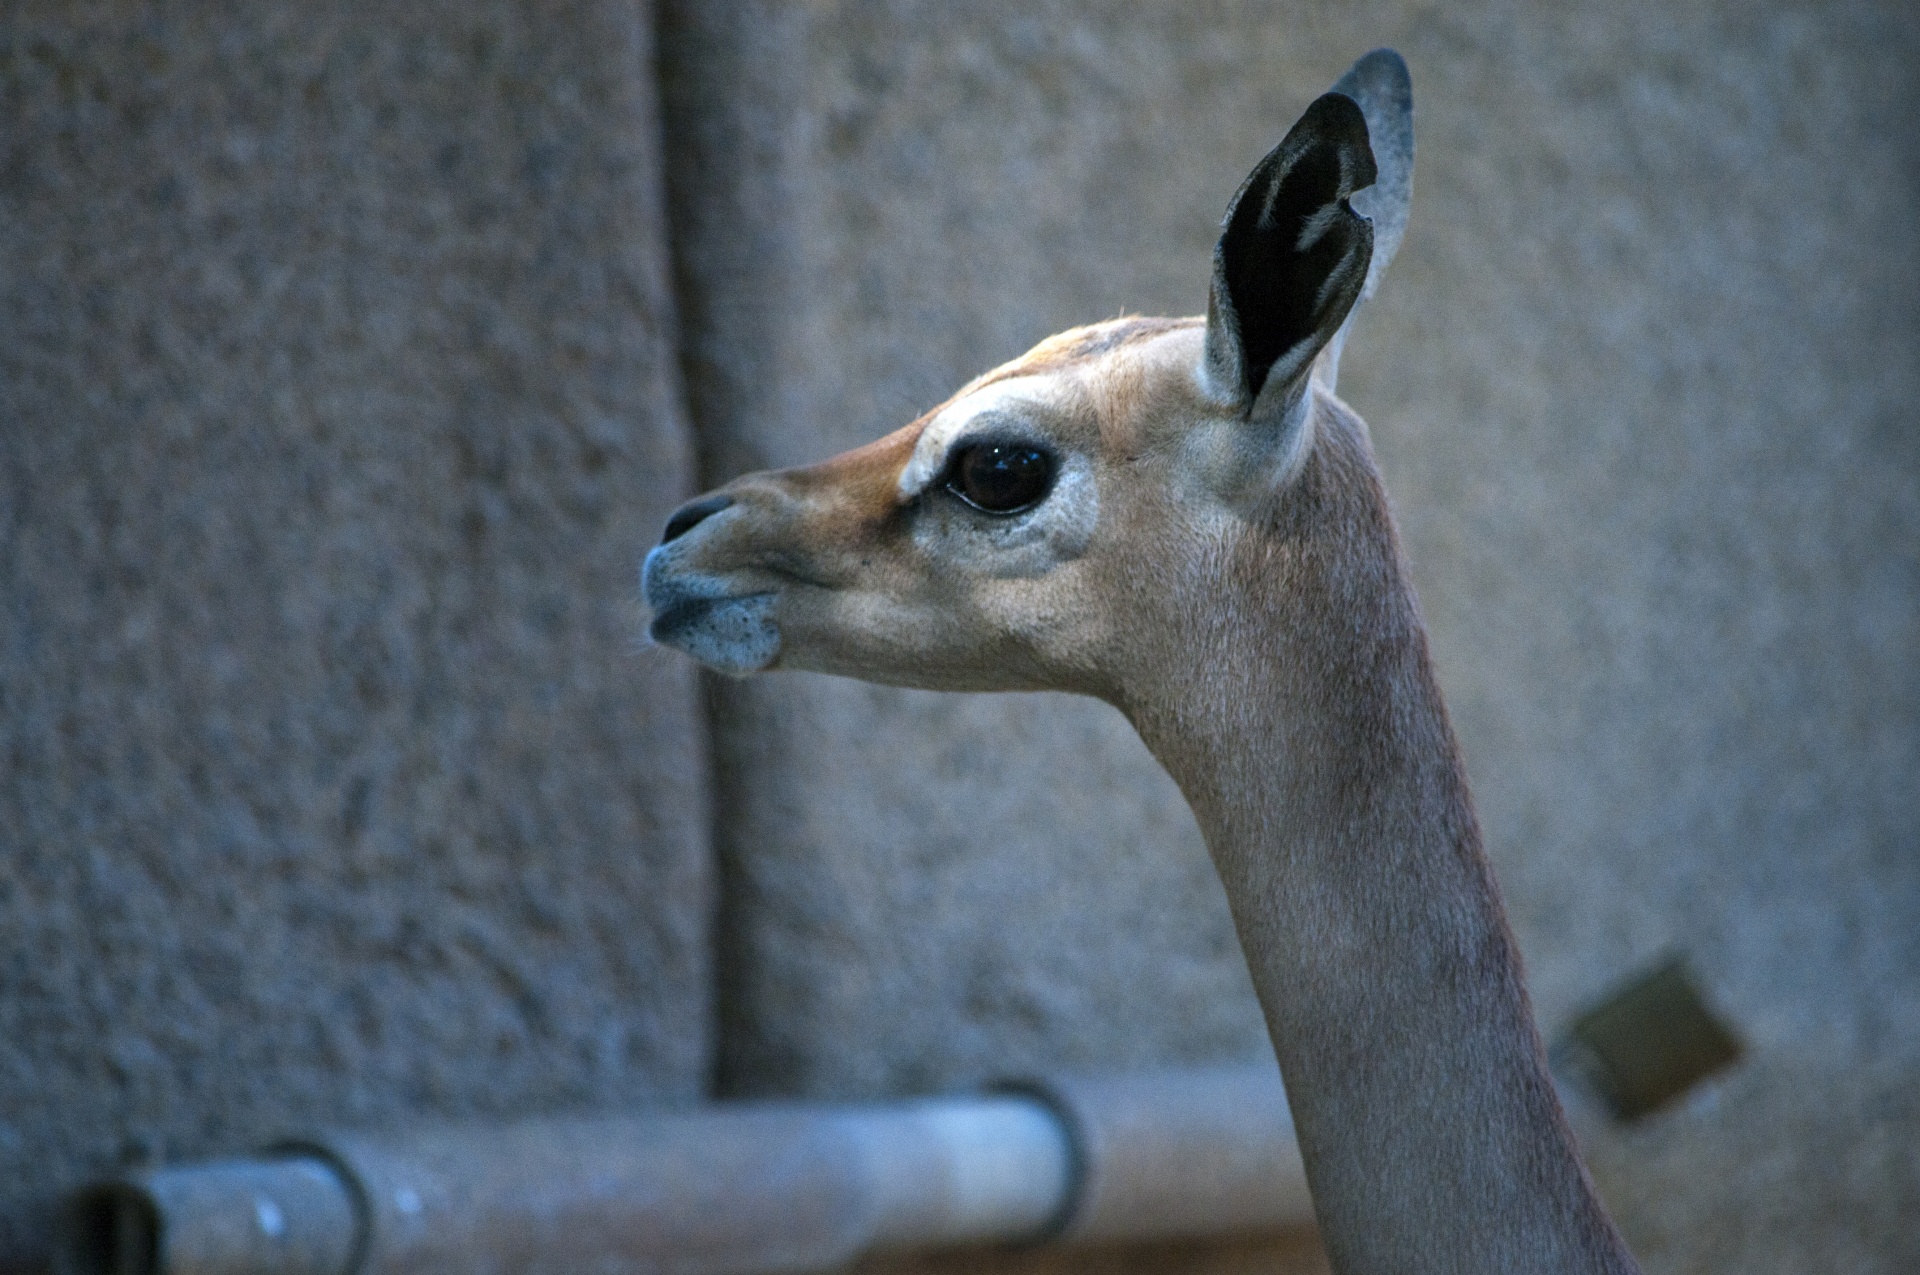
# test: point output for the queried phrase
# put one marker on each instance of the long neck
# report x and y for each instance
(1309, 736)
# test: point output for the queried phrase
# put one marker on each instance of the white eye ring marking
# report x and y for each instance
(1025, 544)
(952, 427)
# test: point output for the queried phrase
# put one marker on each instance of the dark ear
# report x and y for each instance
(1292, 256)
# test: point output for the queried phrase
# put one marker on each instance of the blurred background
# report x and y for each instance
(352, 353)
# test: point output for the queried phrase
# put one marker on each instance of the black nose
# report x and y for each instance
(692, 514)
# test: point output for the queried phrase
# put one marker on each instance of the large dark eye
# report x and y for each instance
(1000, 478)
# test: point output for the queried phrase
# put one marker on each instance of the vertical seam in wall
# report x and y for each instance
(663, 48)
(674, 390)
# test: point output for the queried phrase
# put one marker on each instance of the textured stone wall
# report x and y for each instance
(336, 405)
(1642, 381)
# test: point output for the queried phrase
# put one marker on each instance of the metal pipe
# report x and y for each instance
(731, 1189)
(291, 1215)
(1181, 1154)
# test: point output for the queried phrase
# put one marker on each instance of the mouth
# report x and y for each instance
(733, 635)
(674, 623)
(730, 633)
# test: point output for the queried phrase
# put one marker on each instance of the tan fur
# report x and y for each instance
(1243, 602)
(1081, 345)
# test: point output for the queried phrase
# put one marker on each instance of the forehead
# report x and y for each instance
(1077, 348)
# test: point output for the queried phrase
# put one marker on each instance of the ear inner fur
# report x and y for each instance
(1292, 256)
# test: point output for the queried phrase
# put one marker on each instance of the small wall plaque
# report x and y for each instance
(1647, 1043)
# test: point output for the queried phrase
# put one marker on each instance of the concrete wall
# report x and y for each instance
(336, 406)
(1643, 385)
(337, 403)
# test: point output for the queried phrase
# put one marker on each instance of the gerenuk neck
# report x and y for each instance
(1308, 733)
